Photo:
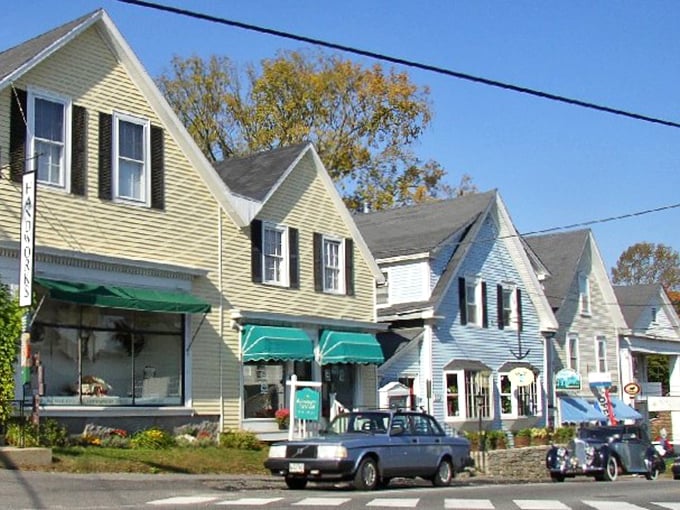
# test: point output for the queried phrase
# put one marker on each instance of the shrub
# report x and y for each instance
(48, 433)
(496, 439)
(197, 434)
(564, 434)
(240, 440)
(153, 438)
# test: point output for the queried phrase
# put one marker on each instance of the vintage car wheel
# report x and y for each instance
(653, 474)
(295, 483)
(443, 475)
(611, 470)
(557, 477)
(366, 477)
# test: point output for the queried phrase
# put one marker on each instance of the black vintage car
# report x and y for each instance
(604, 452)
(675, 468)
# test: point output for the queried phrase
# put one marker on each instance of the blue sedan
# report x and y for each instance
(369, 448)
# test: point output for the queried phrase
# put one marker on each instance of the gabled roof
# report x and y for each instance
(560, 253)
(420, 228)
(20, 59)
(254, 179)
(635, 299)
(255, 176)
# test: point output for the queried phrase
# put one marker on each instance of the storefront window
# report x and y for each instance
(264, 385)
(107, 357)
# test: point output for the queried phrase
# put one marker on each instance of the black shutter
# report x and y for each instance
(17, 136)
(520, 322)
(499, 306)
(105, 155)
(485, 308)
(256, 251)
(157, 168)
(318, 262)
(78, 150)
(349, 266)
(293, 258)
(462, 302)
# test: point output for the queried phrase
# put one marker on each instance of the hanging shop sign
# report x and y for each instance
(632, 388)
(567, 379)
(27, 244)
(521, 376)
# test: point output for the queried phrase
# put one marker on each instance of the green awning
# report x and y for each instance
(349, 347)
(269, 343)
(126, 298)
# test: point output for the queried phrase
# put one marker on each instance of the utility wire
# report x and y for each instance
(404, 62)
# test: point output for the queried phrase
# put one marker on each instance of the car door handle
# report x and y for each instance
(414, 440)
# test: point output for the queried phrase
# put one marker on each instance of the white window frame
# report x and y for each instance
(474, 283)
(513, 320)
(572, 351)
(655, 312)
(584, 294)
(283, 278)
(145, 181)
(601, 361)
(470, 384)
(516, 393)
(382, 295)
(64, 180)
(339, 269)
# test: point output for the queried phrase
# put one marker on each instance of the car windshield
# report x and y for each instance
(599, 434)
(369, 422)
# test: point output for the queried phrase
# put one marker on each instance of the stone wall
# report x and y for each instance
(517, 463)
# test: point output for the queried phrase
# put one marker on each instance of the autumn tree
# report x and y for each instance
(646, 263)
(363, 121)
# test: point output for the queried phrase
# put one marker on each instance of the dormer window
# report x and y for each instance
(653, 314)
(584, 294)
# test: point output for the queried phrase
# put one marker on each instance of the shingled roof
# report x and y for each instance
(560, 253)
(12, 59)
(255, 176)
(420, 228)
(633, 300)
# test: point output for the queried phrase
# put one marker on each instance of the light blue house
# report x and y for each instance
(469, 322)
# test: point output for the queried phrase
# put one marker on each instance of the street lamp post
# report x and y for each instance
(479, 400)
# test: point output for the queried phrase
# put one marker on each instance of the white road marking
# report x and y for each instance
(613, 505)
(183, 500)
(469, 504)
(322, 501)
(671, 506)
(394, 503)
(249, 501)
(540, 504)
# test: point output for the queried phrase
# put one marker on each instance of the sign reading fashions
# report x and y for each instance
(568, 379)
(27, 245)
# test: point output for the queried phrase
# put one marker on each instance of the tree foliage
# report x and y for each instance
(644, 263)
(10, 331)
(363, 121)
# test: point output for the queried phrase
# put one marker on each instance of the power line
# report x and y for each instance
(405, 62)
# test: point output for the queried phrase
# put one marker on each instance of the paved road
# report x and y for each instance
(30, 490)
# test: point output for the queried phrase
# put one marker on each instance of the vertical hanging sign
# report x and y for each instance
(27, 245)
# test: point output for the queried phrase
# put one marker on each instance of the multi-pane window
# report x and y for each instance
(48, 118)
(508, 308)
(382, 291)
(467, 394)
(273, 251)
(584, 293)
(332, 265)
(572, 351)
(471, 301)
(601, 353)
(131, 158)
(517, 400)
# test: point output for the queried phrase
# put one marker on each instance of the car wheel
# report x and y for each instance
(366, 477)
(556, 477)
(653, 474)
(443, 475)
(296, 483)
(611, 470)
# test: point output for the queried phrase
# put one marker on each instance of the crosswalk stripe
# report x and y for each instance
(183, 500)
(322, 501)
(613, 505)
(540, 504)
(394, 503)
(249, 501)
(469, 504)
(670, 506)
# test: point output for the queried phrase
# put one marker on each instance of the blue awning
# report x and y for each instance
(269, 343)
(623, 411)
(578, 410)
(349, 347)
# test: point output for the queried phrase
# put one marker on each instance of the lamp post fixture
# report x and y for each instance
(479, 400)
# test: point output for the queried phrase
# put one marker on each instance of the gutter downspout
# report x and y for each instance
(220, 340)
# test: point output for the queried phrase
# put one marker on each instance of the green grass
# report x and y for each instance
(207, 460)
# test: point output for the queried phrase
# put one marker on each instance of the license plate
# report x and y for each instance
(296, 467)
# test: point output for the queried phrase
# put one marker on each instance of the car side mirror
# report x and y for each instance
(396, 430)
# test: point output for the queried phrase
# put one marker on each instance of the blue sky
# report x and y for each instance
(553, 164)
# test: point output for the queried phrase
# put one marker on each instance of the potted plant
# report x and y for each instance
(523, 438)
(540, 436)
(282, 417)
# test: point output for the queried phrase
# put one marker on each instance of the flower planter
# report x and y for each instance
(521, 441)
